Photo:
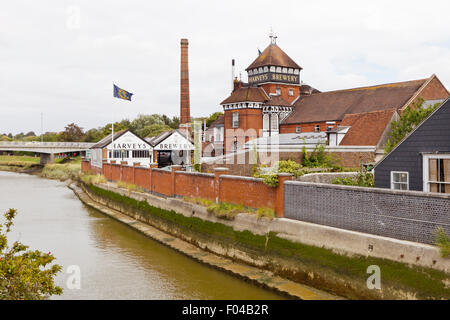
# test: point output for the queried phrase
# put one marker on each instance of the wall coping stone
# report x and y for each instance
(201, 174)
(244, 178)
(372, 190)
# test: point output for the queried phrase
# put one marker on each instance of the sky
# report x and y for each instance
(61, 57)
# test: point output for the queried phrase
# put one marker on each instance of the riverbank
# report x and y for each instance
(251, 243)
(62, 169)
(258, 276)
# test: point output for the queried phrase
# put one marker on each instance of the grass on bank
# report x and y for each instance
(62, 172)
(421, 282)
(229, 210)
(129, 186)
(18, 159)
(92, 178)
(443, 242)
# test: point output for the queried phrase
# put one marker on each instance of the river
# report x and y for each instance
(115, 261)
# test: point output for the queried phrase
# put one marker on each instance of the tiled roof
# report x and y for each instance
(366, 129)
(247, 94)
(220, 121)
(273, 56)
(277, 101)
(334, 105)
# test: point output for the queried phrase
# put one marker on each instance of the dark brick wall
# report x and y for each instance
(402, 215)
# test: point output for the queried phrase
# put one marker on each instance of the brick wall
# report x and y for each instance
(405, 215)
(249, 191)
(219, 187)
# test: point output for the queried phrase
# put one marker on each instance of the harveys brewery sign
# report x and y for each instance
(175, 142)
(274, 77)
(129, 141)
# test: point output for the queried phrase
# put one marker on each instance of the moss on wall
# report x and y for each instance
(319, 267)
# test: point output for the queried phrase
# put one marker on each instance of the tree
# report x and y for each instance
(153, 130)
(93, 135)
(24, 274)
(213, 117)
(143, 121)
(72, 133)
(409, 120)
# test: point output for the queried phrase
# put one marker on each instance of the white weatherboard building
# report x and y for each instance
(172, 147)
(124, 146)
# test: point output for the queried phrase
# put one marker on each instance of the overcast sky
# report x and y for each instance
(61, 57)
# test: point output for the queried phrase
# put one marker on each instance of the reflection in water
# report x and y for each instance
(116, 262)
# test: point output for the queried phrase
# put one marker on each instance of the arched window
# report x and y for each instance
(265, 122)
(274, 123)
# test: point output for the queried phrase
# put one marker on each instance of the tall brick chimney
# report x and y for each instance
(185, 112)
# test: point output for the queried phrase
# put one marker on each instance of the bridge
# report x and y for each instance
(45, 149)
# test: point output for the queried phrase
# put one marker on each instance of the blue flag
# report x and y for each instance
(122, 94)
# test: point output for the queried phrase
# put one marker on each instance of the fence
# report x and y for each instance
(405, 215)
(218, 187)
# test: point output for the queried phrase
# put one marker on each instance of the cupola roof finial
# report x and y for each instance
(273, 37)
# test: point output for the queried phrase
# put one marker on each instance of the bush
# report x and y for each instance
(317, 159)
(284, 166)
(62, 171)
(363, 179)
(411, 117)
(129, 186)
(93, 179)
(228, 210)
(24, 274)
(443, 242)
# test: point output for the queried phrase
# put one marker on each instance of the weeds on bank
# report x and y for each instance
(228, 211)
(129, 186)
(93, 178)
(443, 242)
(62, 171)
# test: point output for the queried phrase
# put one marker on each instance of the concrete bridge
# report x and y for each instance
(45, 149)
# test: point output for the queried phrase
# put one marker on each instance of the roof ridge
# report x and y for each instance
(373, 86)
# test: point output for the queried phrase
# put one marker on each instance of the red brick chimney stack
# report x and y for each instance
(185, 113)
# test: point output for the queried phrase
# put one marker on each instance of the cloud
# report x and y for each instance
(64, 65)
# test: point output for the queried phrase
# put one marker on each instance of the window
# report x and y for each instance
(317, 128)
(399, 180)
(274, 122)
(298, 129)
(235, 123)
(291, 92)
(278, 91)
(437, 173)
(141, 154)
(266, 122)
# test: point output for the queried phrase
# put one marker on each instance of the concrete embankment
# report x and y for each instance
(261, 277)
(326, 258)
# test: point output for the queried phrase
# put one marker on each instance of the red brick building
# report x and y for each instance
(275, 101)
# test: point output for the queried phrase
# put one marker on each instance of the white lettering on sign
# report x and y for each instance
(132, 146)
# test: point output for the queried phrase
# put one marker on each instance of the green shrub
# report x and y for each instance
(93, 178)
(363, 179)
(62, 171)
(318, 158)
(411, 117)
(129, 186)
(443, 242)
